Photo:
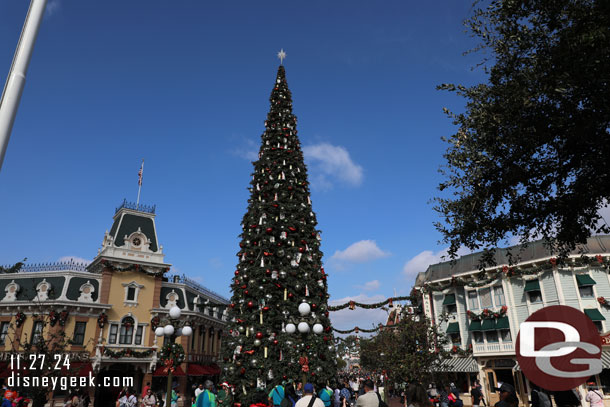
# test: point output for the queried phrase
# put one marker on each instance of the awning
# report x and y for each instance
(502, 323)
(449, 299)
(459, 364)
(594, 314)
(605, 360)
(160, 371)
(196, 370)
(488, 325)
(475, 326)
(453, 328)
(584, 280)
(213, 369)
(532, 285)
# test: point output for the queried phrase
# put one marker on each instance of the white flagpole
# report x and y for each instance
(141, 175)
(13, 88)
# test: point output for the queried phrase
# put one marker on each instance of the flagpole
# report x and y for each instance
(15, 82)
(140, 184)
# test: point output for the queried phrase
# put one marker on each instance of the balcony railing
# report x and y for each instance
(136, 207)
(55, 266)
(196, 286)
(496, 347)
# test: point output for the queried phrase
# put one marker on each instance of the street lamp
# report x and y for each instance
(304, 327)
(172, 330)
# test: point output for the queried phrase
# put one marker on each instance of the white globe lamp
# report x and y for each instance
(304, 308)
(187, 331)
(291, 328)
(303, 327)
(174, 312)
(318, 328)
(160, 331)
(168, 330)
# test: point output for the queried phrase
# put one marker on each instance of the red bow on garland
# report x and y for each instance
(169, 366)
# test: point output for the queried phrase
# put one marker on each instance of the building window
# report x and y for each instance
(505, 335)
(139, 333)
(3, 332)
(478, 337)
(586, 291)
(37, 332)
(126, 335)
(485, 296)
(193, 335)
(452, 309)
(499, 296)
(455, 338)
(535, 296)
(114, 328)
(131, 293)
(598, 324)
(79, 333)
(473, 300)
(492, 336)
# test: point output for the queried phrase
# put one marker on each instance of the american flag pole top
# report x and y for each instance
(140, 174)
(281, 55)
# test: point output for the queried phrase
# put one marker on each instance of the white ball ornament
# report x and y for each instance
(291, 328)
(303, 327)
(160, 331)
(187, 331)
(168, 330)
(304, 308)
(174, 312)
(318, 328)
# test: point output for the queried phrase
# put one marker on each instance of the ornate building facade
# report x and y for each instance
(481, 311)
(109, 310)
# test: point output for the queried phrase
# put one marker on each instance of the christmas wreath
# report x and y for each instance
(20, 319)
(154, 322)
(128, 322)
(102, 320)
(170, 349)
(63, 318)
(53, 317)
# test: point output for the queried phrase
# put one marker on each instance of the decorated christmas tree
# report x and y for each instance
(279, 327)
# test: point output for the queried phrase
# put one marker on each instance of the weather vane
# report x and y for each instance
(281, 55)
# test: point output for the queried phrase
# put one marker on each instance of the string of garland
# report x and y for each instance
(131, 267)
(487, 314)
(354, 304)
(358, 329)
(172, 349)
(128, 353)
(457, 350)
(603, 301)
(485, 277)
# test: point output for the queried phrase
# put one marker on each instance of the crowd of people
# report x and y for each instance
(10, 398)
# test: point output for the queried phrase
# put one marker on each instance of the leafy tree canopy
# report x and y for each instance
(531, 154)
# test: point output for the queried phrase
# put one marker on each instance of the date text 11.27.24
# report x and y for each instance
(39, 362)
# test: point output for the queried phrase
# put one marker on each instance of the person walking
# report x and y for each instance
(326, 396)
(224, 396)
(199, 390)
(206, 398)
(594, 397)
(508, 396)
(276, 395)
(369, 398)
(475, 394)
(567, 398)
(540, 397)
(309, 398)
(149, 400)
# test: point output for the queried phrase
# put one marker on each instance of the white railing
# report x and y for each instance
(493, 348)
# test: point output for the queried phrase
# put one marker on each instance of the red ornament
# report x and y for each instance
(259, 335)
(553, 261)
(290, 295)
(266, 308)
(326, 339)
(242, 370)
(269, 230)
(314, 306)
(275, 342)
(246, 292)
(250, 304)
(301, 249)
(600, 259)
(268, 272)
(232, 305)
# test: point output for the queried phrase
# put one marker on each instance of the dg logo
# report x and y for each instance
(559, 348)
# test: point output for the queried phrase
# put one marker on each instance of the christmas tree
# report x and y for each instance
(279, 327)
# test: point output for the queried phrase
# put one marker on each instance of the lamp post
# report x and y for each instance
(304, 327)
(173, 329)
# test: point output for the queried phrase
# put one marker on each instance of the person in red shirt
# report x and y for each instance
(145, 389)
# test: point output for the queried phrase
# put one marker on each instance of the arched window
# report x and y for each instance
(126, 331)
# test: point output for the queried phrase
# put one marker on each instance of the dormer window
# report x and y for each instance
(86, 291)
(585, 285)
(532, 288)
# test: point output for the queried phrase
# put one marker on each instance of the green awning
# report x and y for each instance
(594, 314)
(532, 285)
(453, 328)
(584, 280)
(475, 326)
(449, 299)
(502, 323)
(488, 325)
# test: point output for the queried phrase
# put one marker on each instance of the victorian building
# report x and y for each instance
(109, 310)
(481, 311)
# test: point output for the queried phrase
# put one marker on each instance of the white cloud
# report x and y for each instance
(421, 261)
(52, 7)
(370, 285)
(73, 259)
(360, 252)
(363, 318)
(248, 150)
(328, 162)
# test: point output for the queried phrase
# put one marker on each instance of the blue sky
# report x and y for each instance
(185, 85)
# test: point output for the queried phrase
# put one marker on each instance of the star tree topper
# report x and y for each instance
(281, 55)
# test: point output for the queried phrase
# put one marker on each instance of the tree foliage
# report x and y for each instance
(531, 154)
(410, 351)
